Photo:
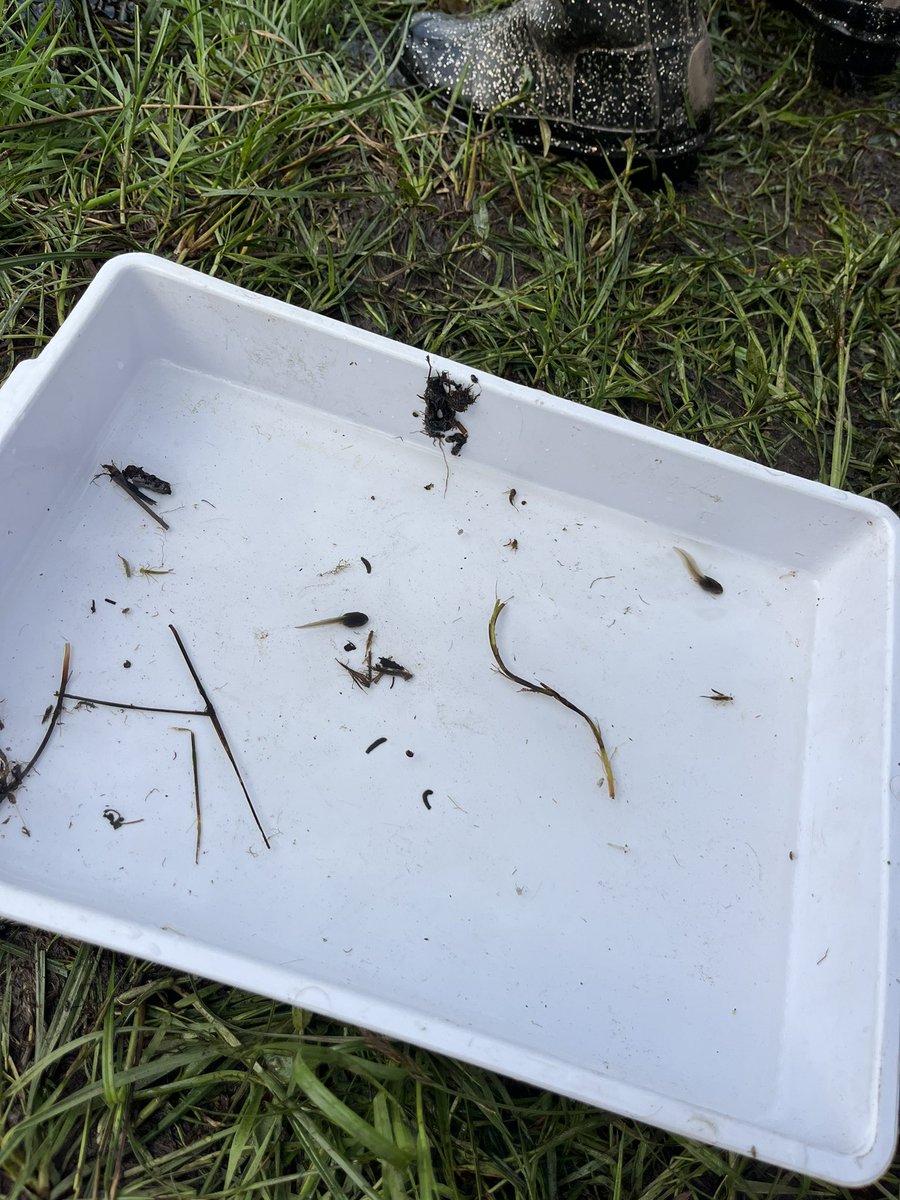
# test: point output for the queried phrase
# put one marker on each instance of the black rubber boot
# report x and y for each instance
(117, 14)
(855, 39)
(595, 73)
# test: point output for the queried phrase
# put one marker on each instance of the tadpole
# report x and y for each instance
(703, 581)
(350, 620)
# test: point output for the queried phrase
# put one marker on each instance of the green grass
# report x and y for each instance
(753, 308)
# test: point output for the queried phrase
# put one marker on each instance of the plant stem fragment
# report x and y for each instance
(90, 701)
(190, 733)
(217, 725)
(119, 479)
(12, 776)
(543, 690)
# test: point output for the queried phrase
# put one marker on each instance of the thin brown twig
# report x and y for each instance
(196, 796)
(119, 479)
(217, 725)
(5, 785)
(175, 712)
(543, 690)
(190, 733)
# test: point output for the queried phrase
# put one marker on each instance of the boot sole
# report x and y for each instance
(675, 157)
(843, 45)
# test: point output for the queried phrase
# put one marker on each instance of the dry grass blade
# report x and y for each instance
(119, 479)
(543, 690)
(18, 776)
(190, 733)
(196, 795)
(217, 725)
(172, 712)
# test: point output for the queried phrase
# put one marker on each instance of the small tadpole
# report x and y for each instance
(513, 543)
(350, 620)
(93, 606)
(365, 562)
(710, 585)
(511, 496)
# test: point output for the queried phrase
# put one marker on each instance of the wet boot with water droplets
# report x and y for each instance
(855, 39)
(602, 76)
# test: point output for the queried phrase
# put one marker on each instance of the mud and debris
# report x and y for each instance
(132, 484)
(116, 819)
(445, 398)
(143, 480)
(373, 673)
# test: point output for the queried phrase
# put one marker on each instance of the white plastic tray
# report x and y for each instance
(714, 951)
